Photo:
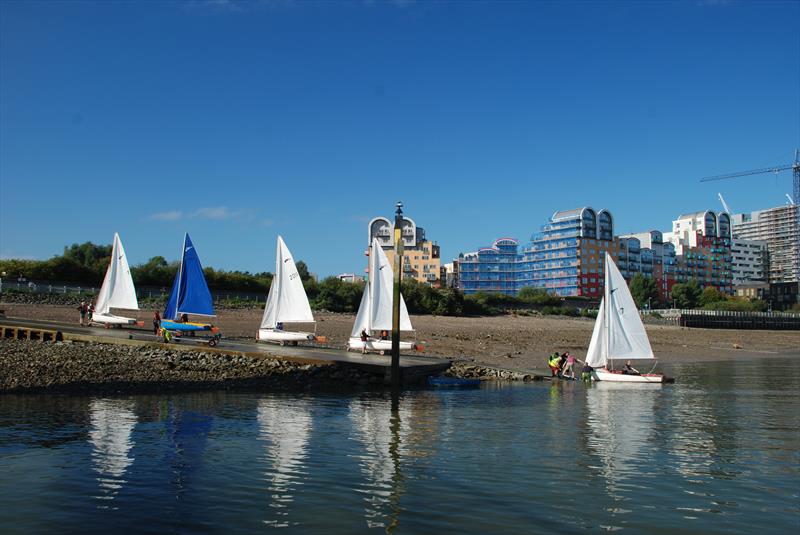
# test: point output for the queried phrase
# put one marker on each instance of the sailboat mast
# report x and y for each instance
(180, 279)
(607, 301)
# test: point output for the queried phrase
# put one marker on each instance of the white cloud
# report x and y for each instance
(173, 215)
(216, 212)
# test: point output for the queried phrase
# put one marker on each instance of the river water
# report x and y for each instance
(716, 452)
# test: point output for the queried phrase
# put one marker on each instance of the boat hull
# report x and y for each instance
(185, 327)
(619, 377)
(110, 319)
(377, 346)
(283, 337)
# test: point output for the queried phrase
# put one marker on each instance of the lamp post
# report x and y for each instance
(398, 275)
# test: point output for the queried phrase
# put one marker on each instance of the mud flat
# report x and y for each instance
(508, 342)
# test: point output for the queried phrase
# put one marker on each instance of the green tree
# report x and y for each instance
(686, 294)
(710, 296)
(538, 296)
(643, 290)
(338, 296)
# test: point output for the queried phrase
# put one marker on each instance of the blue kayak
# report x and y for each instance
(452, 381)
(186, 327)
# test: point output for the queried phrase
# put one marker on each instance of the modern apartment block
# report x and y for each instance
(566, 256)
(421, 257)
(490, 269)
(703, 249)
(749, 262)
(780, 228)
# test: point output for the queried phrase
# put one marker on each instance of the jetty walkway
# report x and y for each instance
(412, 366)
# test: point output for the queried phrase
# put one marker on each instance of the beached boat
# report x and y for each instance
(375, 311)
(189, 295)
(117, 290)
(618, 333)
(287, 302)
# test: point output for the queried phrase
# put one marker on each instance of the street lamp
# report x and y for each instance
(398, 273)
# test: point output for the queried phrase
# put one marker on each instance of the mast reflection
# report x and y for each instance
(621, 420)
(112, 424)
(285, 425)
(383, 427)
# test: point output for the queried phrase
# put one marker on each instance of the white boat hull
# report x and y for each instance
(378, 346)
(110, 319)
(619, 377)
(283, 337)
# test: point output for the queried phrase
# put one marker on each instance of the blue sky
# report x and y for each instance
(238, 120)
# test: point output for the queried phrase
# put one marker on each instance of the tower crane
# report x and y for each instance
(724, 204)
(795, 167)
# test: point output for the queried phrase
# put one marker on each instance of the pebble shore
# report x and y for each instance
(83, 368)
(80, 368)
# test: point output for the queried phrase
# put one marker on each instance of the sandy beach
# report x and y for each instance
(512, 342)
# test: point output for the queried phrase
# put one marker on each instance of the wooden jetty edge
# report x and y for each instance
(413, 367)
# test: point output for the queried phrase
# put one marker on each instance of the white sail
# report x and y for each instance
(362, 318)
(618, 331)
(627, 337)
(596, 355)
(375, 310)
(382, 288)
(287, 301)
(117, 290)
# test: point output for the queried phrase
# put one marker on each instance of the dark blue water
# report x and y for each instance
(717, 452)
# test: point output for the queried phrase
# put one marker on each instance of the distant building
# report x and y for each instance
(421, 257)
(703, 249)
(490, 269)
(451, 274)
(566, 256)
(780, 229)
(749, 262)
(350, 277)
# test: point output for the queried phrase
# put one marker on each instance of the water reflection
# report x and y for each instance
(621, 421)
(285, 424)
(382, 427)
(112, 424)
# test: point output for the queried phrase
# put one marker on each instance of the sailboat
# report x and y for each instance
(618, 332)
(189, 295)
(375, 311)
(287, 302)
(117, 290)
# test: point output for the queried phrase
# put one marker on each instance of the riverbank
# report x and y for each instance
(83, 368)
(509, 342)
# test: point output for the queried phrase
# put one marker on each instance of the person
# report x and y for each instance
(364, 339)
(90, 312)
(586, 372)
(568, 367)
(384, 335)
(184, 318)
(553, 363)
(83, 309)
(630, 370)
(279, 326)
(156, 322)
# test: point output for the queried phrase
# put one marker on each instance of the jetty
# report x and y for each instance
(413, 367)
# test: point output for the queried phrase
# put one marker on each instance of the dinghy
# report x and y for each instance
(117, 290)
(189, 295)
(618, 333)
(375, 312)
(287, 302)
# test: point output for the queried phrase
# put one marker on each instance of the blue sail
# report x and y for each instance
(190, 293)
(171, 312)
